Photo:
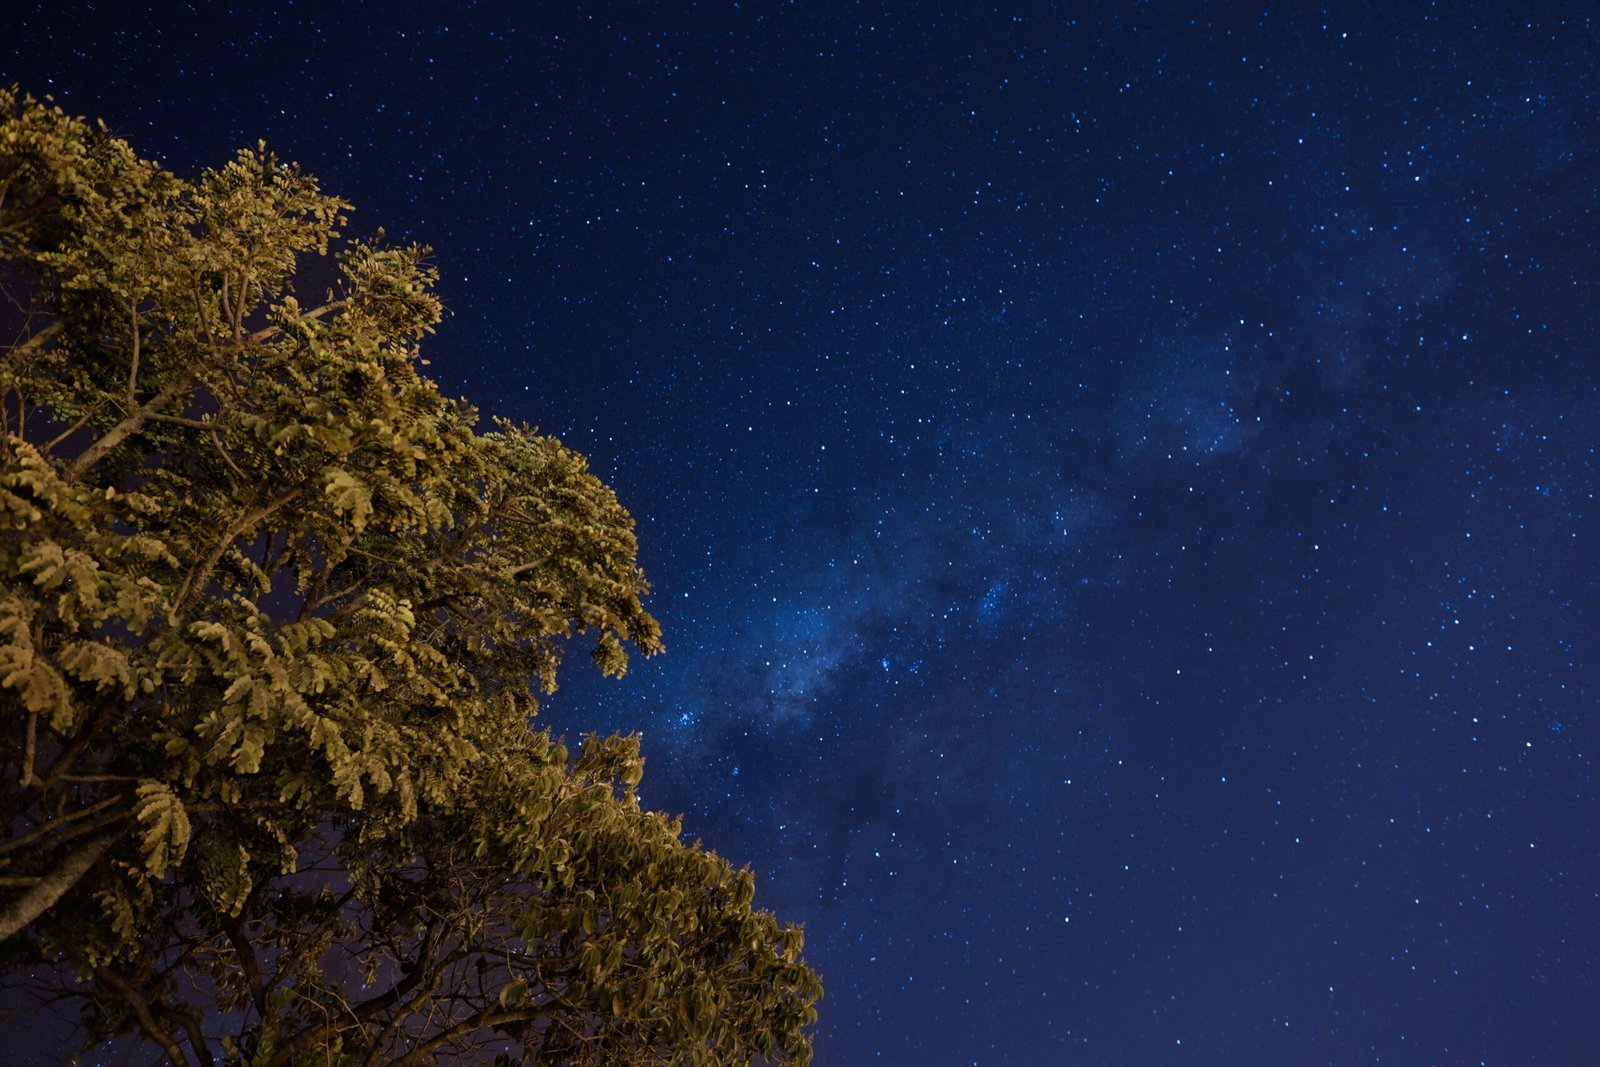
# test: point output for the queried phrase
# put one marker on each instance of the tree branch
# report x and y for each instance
(38, 340)
(486, 1017)
(126, 428)
(315, 313)
(29, 743)
(247, 960)
(54, 824)
(50, 888)
(286, 967)
(401, 1014)
(195, 583)
(179, 420)
(147, 1020)
(75, 427)
(197, 1038)
(18, 802)
(133, 362)
(523, 568)
(424, 968)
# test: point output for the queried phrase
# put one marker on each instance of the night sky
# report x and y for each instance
(1119, 487)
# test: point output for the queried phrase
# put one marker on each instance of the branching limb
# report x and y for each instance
(147, 1020)
(404, 1012)
(19, 800)
(290, 962)
(195, 583)
(54, 825)
(130, 425)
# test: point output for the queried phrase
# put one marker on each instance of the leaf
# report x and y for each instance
(98, 663)
(224, 873)
(166, 827)
(348, 494)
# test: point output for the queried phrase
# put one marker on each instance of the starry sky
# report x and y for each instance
(1118, 484)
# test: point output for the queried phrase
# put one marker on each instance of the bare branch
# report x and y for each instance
(247, 961)
(147, 1020)
(197, 1037)
(223, 452)
(51, 887)
(484, 1018)
(179, 420)
(18, 801)
(404, 1012)
(56, 824)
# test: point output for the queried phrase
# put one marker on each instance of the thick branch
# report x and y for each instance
(38, 340)
(314, 313)
(486, 1017)
(126, 428)
(147, 1020)
(53, 886)
(197, 1038)
(247, 960)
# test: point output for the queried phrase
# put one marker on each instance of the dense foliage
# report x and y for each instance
(274, 617)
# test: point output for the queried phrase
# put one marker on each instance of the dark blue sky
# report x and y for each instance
(1119, 486)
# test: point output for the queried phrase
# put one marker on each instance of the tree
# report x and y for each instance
(274, 619)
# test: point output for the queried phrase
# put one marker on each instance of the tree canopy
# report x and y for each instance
(274, 620)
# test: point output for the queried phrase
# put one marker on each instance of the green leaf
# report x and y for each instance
(165, 827)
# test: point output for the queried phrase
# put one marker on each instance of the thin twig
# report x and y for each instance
(55, 825)
(75, 427)
(223, 452)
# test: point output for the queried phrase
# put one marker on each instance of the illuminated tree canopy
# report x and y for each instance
(274, 619)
